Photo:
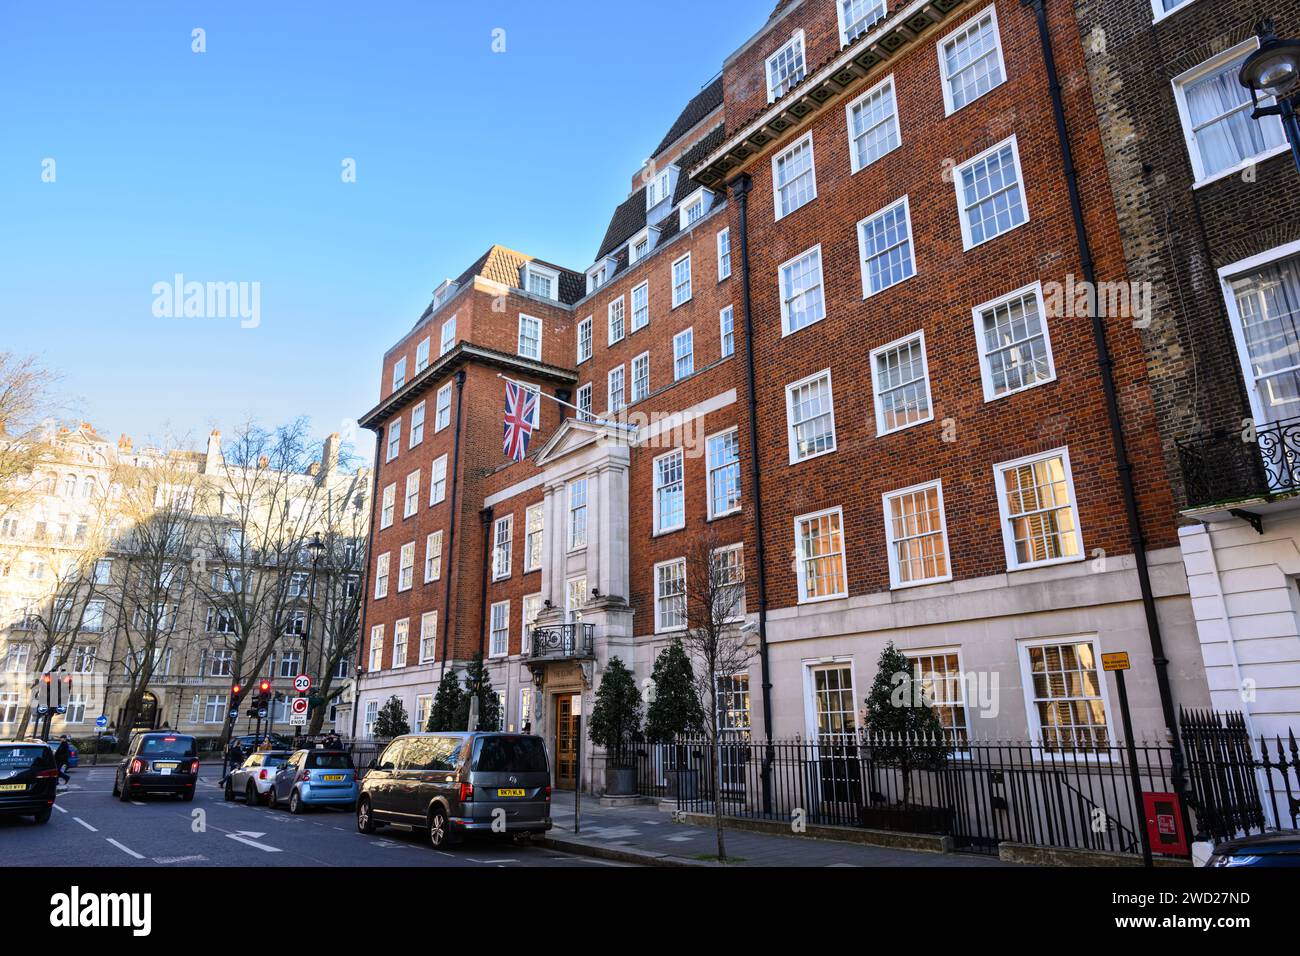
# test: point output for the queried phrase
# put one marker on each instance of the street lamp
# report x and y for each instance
(1273, 72)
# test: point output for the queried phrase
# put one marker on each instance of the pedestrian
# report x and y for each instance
(234, 757)
(61, 757)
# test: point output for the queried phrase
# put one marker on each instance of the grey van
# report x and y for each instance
(453, 784)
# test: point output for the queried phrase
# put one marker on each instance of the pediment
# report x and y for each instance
(574, 436)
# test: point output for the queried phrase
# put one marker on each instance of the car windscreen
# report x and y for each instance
(275, 760)
(509, 755)
(317, 761)
(17, 759)
(167, 746)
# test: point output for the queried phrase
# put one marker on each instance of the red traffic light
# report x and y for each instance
(265, 687)
(46, 678)
(68, 680)
(236, 689)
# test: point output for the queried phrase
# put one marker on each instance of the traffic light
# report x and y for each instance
(46, 679)
(234, 691)
(264, 687)
(68, 680)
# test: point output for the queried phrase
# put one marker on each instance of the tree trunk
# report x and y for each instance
(318, 712)
(717, 794)
(22, 725)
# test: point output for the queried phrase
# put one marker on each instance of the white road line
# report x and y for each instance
(241, 838)
(85, 824)
(59, 808)
(125, 849)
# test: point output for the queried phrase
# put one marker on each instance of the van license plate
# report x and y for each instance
(11, 787)
(510, 793)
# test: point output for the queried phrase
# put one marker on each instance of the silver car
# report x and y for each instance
(254, 778)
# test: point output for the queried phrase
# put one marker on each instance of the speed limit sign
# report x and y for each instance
(299, 705)
(302, 683)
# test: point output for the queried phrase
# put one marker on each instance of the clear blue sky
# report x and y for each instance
(225, 166)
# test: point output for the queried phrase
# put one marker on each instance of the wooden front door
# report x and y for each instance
(566, 744)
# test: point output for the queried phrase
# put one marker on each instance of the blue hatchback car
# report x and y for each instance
(315, 778)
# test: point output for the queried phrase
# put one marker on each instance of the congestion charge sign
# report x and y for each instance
(302, 683)
(299, 705)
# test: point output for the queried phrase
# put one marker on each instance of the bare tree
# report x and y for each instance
(157, 523)
(715, 594)
(266, 499)
(337, 613)
(24, 396)
(63, 560)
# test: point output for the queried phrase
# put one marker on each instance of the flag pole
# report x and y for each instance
(582, 416)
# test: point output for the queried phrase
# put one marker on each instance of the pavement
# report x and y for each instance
(90, 827)
(642, 833)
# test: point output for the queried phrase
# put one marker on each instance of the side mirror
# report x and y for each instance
(373, 765)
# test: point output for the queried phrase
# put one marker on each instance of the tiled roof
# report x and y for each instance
(704, 103)
(502, 265)
(627, 221)
(693, 157)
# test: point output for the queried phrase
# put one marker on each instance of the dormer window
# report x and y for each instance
(540, 281)
(695, 206)
(859, 16)
(444, 292)
(641, 245)
(786, 68)
(601, 273)
(660, 188)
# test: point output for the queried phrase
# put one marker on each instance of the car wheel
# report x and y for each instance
(230, 792)
(365, 822)
(440, 833)
(296, 804)
(123, 794)
(117, 791)
(188, 797)
(43, 816)
(250, 795)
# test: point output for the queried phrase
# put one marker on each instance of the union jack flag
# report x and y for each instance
(521, 410)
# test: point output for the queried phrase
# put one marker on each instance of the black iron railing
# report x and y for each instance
(1236, 788)
(564, 641)
(1242, 463)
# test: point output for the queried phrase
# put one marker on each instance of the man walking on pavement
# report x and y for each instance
(61, 757)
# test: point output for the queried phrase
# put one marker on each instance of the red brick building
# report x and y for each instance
(914, 445)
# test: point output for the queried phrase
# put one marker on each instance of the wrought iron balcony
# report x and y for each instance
(564, 642)
(1224, 467)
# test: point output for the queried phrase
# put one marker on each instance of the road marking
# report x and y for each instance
(137, 803)
(59, 808)
(85, 824)
(169, 860)
(125, 849)
(250, 839)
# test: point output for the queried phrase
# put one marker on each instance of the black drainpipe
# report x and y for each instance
(485, 518)
(453, 480)
(740, 187)
(365, 582)
(1105, 364)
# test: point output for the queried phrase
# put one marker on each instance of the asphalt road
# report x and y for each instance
(91, 827)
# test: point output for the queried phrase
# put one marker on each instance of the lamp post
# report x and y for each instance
(1273, 72)
(315, 548)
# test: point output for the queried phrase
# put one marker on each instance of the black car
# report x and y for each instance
(1270, 849)
(28, 778)
(158, 763)
(249, 743)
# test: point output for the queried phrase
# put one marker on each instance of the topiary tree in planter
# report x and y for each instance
(675, 711)
(904, 729)
(446, 704)
(478, 683)
(391, 721)
(615, 724)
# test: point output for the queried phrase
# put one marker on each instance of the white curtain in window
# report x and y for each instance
(1268, 302)
(1220, 110)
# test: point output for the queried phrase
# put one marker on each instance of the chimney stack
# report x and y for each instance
(214, 459)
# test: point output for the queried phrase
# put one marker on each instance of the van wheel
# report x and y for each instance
(188, 797)
(43, 816)
(365, 822)
(441, 836)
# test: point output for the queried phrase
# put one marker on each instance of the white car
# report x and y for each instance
(254, 778)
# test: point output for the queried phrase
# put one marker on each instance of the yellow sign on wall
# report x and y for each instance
(1115, 662)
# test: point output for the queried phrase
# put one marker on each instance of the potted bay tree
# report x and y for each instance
(616, 725)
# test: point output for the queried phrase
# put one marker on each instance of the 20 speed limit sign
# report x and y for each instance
(302, 683)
